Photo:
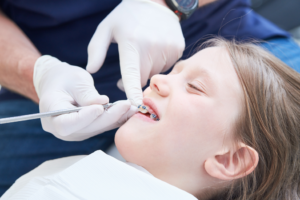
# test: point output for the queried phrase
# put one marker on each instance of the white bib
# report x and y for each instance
(97, 176)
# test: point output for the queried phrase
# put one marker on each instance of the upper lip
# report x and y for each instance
(149, 102)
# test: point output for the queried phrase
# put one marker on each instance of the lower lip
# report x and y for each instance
(143, 117)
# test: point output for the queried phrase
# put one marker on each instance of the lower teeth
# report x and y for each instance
(154, 117)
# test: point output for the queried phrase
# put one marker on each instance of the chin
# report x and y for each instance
(123, 140)
(134, 143)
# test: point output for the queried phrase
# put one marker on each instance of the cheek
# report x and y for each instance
(126, 138)
(192, 127)
(175, 134)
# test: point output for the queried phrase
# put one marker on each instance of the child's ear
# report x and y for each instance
(232, 164)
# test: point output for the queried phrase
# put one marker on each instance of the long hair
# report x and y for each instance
(269, 123)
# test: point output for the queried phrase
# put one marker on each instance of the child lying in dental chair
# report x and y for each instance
(224, 124)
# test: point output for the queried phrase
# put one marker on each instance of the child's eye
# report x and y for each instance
(194, 87)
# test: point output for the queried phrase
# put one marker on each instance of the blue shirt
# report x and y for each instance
(63, 29)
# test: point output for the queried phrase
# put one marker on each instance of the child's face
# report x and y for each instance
(197, 104)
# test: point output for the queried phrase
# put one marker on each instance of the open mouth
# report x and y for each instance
(147, 111)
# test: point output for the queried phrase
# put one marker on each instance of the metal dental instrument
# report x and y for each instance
(47, 114)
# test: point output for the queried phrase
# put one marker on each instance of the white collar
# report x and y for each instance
(138, 167)
(93, 177)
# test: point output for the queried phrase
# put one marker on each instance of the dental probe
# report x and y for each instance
(47, 114)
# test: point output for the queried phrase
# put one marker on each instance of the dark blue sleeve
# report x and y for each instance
(229, 19)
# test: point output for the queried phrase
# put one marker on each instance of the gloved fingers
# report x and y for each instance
(109, 119)
(66, 124)
(130, 70)
(97, 48)
(88, 96)
(114, 113)
(174, 55)
(128, 114)
(146, 60)
(121, 85)
(159, 62)
(146, 70)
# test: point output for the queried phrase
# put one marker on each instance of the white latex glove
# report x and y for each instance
(62, 86)
(149, 38)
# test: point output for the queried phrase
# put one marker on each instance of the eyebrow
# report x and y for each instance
(206, 79)
(206, 73)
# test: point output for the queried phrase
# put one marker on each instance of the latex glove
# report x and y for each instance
(62, 86)
(149, 39)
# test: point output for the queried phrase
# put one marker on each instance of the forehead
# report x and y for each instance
(212, 59)
(215, 64)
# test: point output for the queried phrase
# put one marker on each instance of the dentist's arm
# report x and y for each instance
(149, 39)
(55, 85)
(17, 59)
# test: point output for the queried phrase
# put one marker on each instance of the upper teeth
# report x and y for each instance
(143, 109)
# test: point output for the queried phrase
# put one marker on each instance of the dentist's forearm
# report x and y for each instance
(17, 59)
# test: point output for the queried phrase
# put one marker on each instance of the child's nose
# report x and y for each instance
(160, 85)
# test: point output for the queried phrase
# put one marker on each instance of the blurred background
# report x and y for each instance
(284, 13)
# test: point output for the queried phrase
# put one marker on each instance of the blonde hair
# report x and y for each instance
(270, 123)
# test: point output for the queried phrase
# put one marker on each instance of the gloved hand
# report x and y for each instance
(149, 38)
(62, 86)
